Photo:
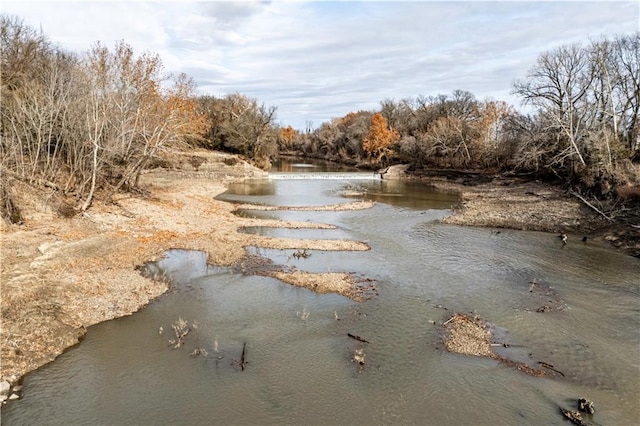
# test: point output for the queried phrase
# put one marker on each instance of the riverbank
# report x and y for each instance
(522, 204)
(60, 276)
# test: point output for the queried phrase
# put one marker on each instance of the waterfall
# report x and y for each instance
(326, 175)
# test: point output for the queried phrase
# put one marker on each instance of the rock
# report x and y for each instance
(47, 246)
(5, 387)
(3, 398)
(397, 171)
(14, 396)
(586, 406)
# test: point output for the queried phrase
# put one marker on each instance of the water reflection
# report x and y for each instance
(252, 187)
(414, 195)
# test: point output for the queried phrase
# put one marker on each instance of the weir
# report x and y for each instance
(326, 175)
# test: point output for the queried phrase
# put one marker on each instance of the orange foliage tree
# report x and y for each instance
(287, 134)
(378, 141)
(492, 115)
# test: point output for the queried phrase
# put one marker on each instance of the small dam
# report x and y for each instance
(325, 175)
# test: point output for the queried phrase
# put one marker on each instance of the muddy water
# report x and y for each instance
(299, 367)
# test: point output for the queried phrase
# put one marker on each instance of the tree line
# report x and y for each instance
(584, 128)
(88, 124)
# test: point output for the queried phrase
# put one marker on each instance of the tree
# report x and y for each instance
(248, 128)
(378, 141)
(588, 101)
(286, 135)
(492, 116)
(558, 85)
(626, 51)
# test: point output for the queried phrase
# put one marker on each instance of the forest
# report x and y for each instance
(86, 125)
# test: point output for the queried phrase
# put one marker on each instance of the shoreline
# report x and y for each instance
(60, 276)
(526, 205)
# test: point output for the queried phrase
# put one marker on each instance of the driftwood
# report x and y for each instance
(448, 321)
(506, 345)
(575, 194)
(358, 338)
(573, 416)
(550, 367)
(179, 340)
(586, 406)
(243, 358)
(301, 254)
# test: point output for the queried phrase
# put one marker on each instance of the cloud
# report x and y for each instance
(318, 60)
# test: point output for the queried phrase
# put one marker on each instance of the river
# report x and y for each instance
(300, 368)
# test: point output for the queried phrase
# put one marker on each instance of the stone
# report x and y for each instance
(5, 387)
(586, 406)
(14, 396)
(397, 171)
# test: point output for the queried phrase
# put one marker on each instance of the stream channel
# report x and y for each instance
(300, 368)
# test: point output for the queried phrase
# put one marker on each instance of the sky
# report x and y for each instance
(318, 60)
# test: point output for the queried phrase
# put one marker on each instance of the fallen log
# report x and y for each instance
(575, 194)
(573, 416)
(358, 338)
(550, 367)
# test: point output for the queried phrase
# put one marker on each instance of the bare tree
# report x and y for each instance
(242, 125)
(558, 86)
(626, 51)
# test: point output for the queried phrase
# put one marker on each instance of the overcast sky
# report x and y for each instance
(316, 60)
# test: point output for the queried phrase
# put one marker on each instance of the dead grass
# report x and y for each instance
(467, 335)
(341, 283)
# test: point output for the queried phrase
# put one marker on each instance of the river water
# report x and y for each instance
(300, 368)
